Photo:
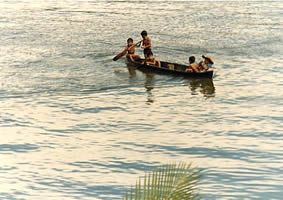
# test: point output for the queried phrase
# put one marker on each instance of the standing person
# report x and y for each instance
(146, 44)
(193, 67)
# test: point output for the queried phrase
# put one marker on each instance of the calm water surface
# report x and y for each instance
(76, 125)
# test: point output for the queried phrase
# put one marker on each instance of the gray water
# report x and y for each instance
(76, 125)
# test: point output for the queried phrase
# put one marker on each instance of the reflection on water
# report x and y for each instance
(205, 86)
(132, 70)
(149, 85)
(76, 125)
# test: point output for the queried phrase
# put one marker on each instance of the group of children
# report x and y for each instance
(201, 66)
(145, 44)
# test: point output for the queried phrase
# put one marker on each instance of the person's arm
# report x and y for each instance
(154, 62)
(189, 69)
(158, 63)
(202, 66)
(131, 58)
(138, 44)
(133, 45)
(142, 44)
(126, 49)
(149, 44)
(195, 69)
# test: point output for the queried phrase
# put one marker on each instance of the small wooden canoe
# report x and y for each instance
(171, 69)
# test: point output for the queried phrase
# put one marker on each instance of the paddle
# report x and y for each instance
(120, 55)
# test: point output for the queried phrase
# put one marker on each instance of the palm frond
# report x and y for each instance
(168, 182)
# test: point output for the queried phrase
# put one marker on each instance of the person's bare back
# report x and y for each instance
(192, 67)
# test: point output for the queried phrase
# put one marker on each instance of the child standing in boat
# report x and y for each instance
(146, 44)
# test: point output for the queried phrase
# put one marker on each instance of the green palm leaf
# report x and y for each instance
(168, 182)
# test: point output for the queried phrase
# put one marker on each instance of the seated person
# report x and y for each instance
(130, 49)
(193, 67)
(206, 64)
(150, 60)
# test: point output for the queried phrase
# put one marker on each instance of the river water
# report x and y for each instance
(76, 125)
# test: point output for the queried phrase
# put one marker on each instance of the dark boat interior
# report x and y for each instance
(167, 65)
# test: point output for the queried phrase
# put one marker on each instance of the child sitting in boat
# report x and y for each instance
(193, 67)
(150, 60)
(130, 49)
(206, 64)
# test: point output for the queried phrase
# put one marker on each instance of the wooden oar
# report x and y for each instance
(120, 55)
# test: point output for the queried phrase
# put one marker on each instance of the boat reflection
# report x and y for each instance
(148, 84)
(204, 86)
(149, 87)
(132, 70)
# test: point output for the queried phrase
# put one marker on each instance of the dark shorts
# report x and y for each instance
(147, 51)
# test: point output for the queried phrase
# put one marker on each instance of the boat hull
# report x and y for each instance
(171, 69)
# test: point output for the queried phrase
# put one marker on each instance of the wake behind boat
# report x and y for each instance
(171, 69)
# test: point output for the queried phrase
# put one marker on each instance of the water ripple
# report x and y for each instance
(18, 148)
(76, 125)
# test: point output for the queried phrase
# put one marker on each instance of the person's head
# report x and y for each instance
(192, 59)
(130, 41)
(150, 56)
(144, 34)
(208, 60)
